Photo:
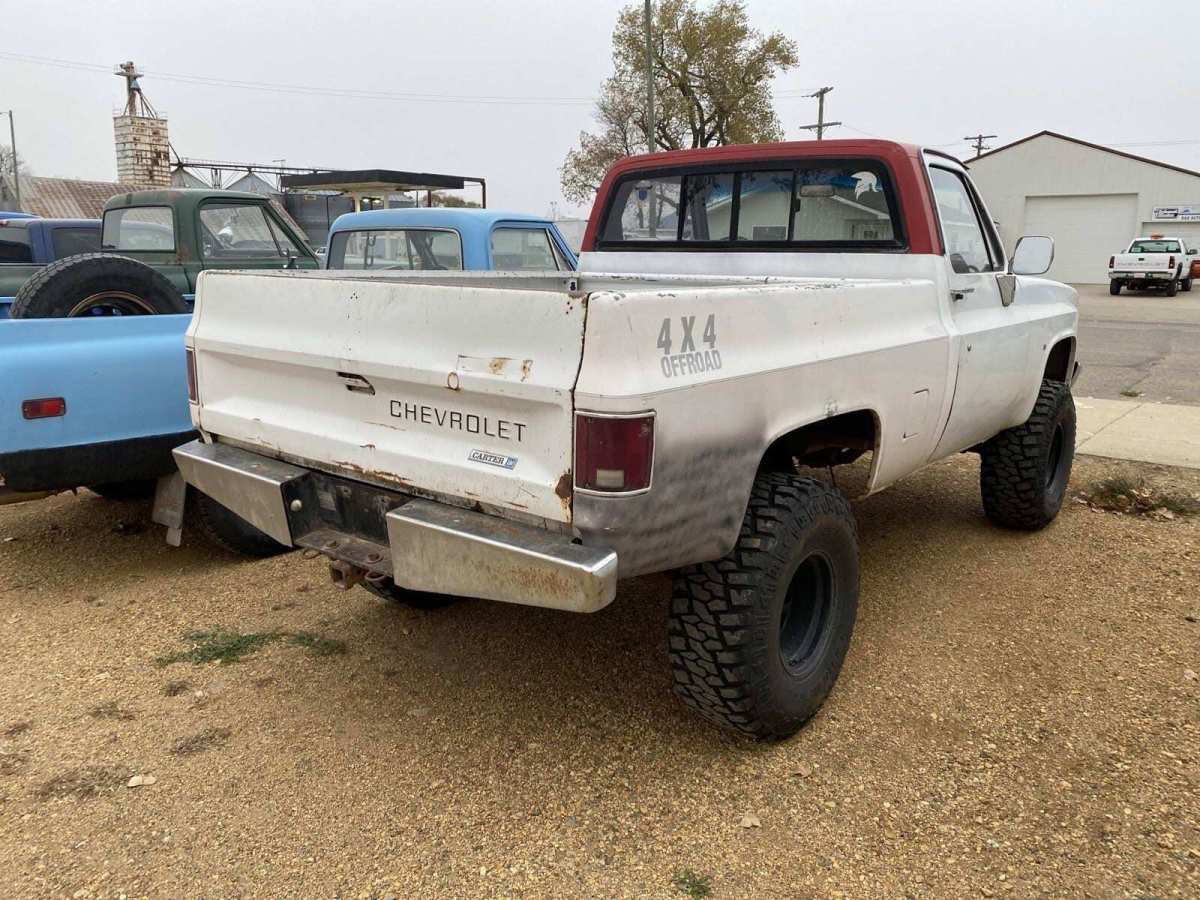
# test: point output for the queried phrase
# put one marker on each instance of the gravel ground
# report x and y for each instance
(1018, 716)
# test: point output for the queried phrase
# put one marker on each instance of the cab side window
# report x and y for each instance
(237, 231)
(966, 242)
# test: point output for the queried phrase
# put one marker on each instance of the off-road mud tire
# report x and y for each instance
(1024, 471)
(727, 630)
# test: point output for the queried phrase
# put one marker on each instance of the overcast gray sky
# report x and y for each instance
(1115, 73)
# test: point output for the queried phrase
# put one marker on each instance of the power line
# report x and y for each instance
(325, 91)
(314, 90)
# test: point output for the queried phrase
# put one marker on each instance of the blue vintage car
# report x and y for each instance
(100, 402)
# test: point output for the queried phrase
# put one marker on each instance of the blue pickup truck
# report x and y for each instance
(100, 403)
(92, 377)
(28, 243)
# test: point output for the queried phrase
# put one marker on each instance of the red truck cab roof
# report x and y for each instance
(903, 161)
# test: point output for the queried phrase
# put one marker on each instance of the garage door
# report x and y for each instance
(1087, 229)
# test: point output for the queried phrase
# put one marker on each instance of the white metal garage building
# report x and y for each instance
(1091, 199)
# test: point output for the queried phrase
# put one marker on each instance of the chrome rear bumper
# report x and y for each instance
(430, 546)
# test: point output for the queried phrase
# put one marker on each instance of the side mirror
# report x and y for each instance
(1033, 255)
(1192, 252)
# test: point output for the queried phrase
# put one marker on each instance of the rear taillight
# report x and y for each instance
(1171, 263)
(1112, 262)
(193, 394)
(44, 408)
(613, 454)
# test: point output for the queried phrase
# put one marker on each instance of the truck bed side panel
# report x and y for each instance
(789, 355)
(122, 378)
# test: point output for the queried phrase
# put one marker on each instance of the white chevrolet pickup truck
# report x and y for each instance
(744, 319)
(1158, 262)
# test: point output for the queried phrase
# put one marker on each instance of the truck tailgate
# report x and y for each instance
(1142, 262)
(449, 389)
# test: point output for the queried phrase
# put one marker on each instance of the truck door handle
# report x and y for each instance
(356, 383)
(958, 293)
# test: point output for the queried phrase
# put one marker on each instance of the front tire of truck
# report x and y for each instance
(1114, 287)
(1024, 471)
(1186, 285)
(393, 593)
(757, 639)
(96, 284)
(229, 531)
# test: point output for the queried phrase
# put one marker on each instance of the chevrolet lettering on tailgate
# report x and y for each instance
(457, 420)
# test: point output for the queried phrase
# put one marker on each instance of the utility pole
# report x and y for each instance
(12, 137)
(977, 140)
(652, 213)
(649, 79)
(821, 124)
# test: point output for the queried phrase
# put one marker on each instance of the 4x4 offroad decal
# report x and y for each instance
(690, 360)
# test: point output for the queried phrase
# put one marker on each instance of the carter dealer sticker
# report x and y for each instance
(493, 459)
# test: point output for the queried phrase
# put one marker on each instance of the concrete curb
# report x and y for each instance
(1162, 433)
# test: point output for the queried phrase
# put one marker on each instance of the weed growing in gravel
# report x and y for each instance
(17, 728)
(177, 687)
(224, 647)
(218, 645)
(14, 762)
(317, 645)
(693, 883)
(84, 782)
(201, 741)
(1130, 392)
(1133, 495)
(110, 710)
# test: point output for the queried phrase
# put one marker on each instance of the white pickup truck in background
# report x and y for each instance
(1155, 262)
(779, 309)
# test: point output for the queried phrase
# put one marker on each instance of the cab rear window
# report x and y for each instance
(70, 240)
(815, 204)
(138, 228)
(1155, 247)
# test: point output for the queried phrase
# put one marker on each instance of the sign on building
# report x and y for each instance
(1181, 213)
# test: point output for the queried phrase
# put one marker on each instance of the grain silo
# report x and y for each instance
(143, 149)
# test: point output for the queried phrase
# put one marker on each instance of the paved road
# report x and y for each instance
(1143, 342)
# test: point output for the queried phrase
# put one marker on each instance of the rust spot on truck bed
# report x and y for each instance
(376, 474)
(497, 364)
(526, 368)
(563, 490)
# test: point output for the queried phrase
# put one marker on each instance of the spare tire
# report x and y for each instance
(96, 284)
